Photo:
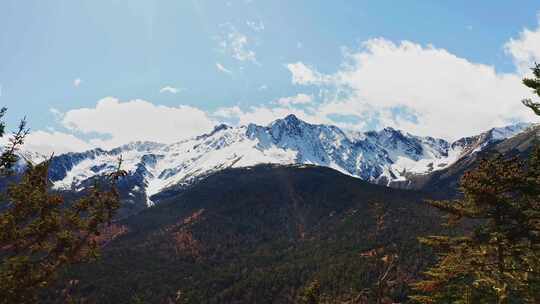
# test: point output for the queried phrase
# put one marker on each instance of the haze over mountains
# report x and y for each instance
(387, 157)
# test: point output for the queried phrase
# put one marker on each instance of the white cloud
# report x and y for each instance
(229, 112)
(263, 87)
(58, 115)
(169, 89)
(221, 68)
(525, 49)
(236, 44)
(303, 74)
(55, 142)
(295, 100)
(137, 120)
(422, 89)
(55, 111)
(77, 82)
(264, 115)
(256, 26)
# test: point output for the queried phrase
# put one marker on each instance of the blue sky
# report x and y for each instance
(239, 61)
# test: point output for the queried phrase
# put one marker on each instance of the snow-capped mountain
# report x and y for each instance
(380, 157)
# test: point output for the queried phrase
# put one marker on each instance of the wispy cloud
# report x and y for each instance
(221, 68)
(58, 115)
(171, 90)
(295, 100)
(236, 44)
(256, 26)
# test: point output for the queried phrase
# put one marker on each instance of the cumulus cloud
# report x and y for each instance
(223, 69)
(169, 89)
(137, 120)
(295, 100)
(422, 89)
(55, 142)
(236, 44)
(525, 49)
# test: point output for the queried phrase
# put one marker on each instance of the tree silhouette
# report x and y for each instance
(534, 84)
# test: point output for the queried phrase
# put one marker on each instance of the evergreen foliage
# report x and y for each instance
(40, 233)
(311, 294)
(499, 261)
(534, 84)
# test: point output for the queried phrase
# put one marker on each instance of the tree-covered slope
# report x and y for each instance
(260, 235)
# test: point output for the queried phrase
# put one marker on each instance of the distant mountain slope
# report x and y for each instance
(259, 235)
(446, 181)
(383, 157)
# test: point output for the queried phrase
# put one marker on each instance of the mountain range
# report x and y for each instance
(388, 157)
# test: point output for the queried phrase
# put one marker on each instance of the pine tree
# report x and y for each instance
(40, 233)
(499, 262)
(534, 84)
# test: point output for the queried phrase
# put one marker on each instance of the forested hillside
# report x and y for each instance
(261, 235)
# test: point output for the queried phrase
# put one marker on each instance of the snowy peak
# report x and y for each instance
(291, 119)
(377, 156)
(289, 126)
(476, 143)
(217, 128)
(508, 131)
